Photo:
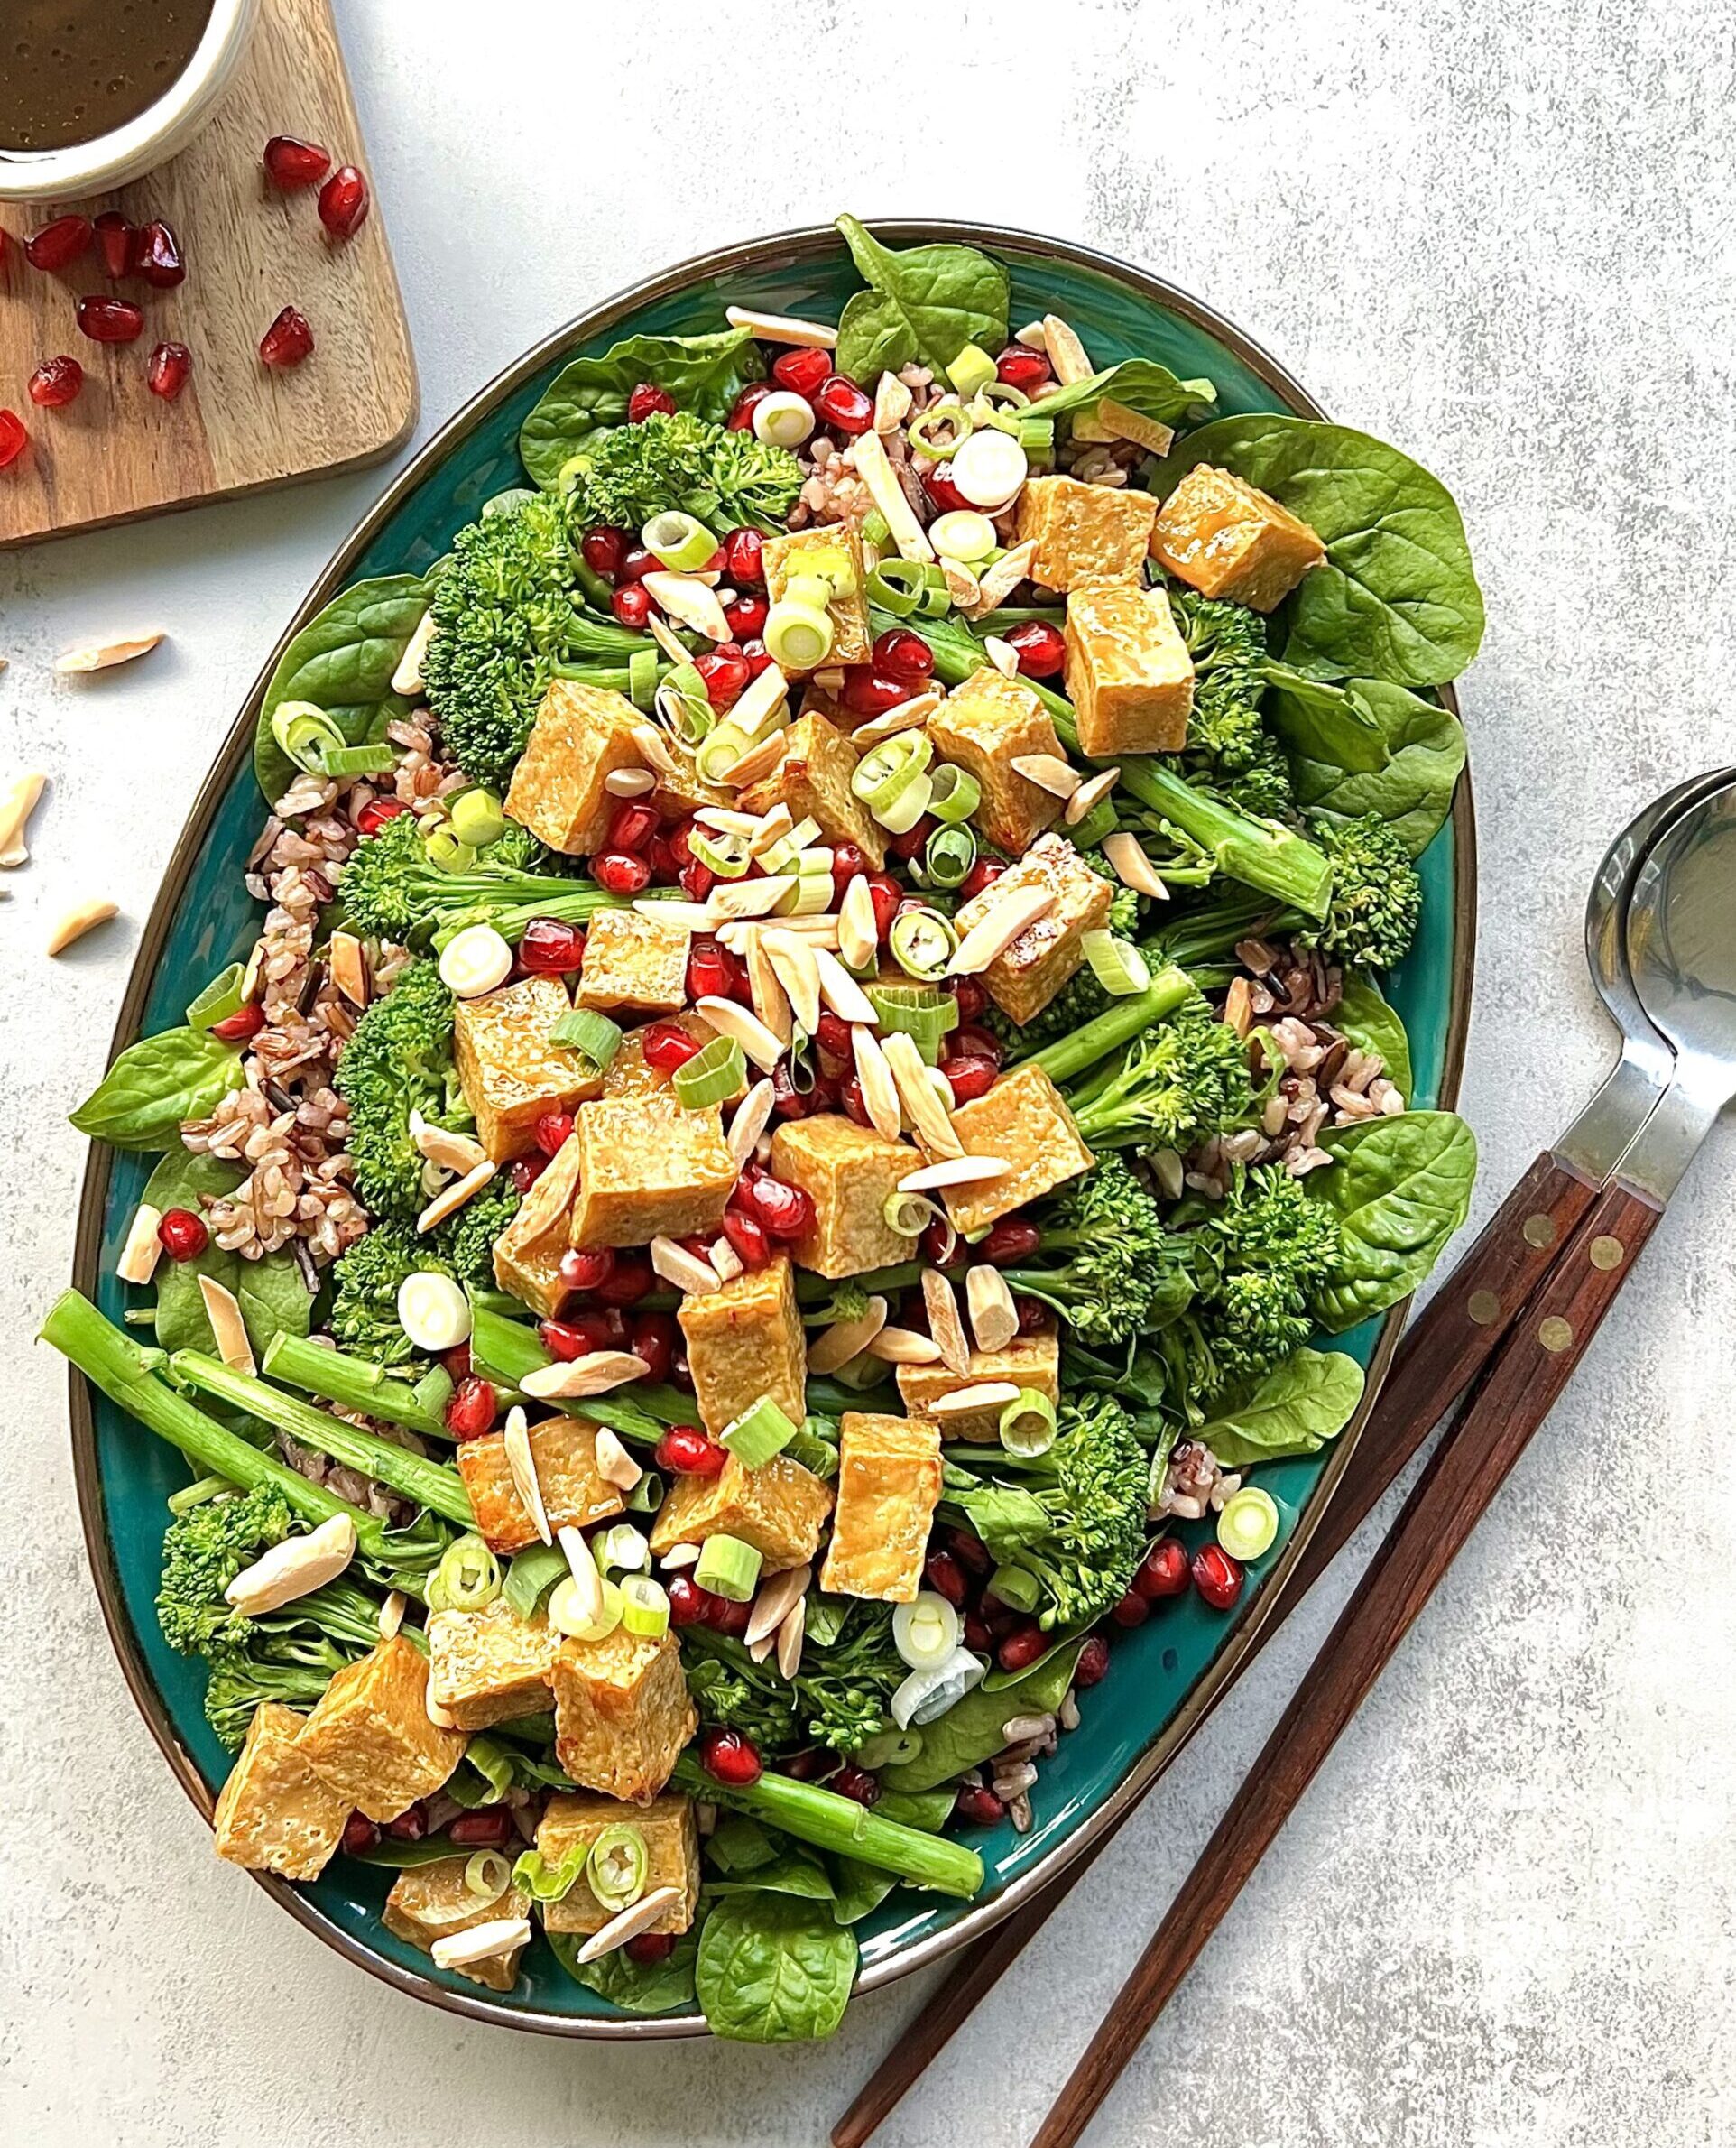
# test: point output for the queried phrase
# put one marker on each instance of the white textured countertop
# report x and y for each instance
(1497, 232)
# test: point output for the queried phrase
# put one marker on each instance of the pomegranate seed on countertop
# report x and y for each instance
(1217, 1577)
(157, 257)
(291, 163)
(165, 374)
(115, 239)
(1093, 1661)
(110, 320)
(60, 244)
(288, 341)
(55, 382)
(344, 202)
(1163, 1571)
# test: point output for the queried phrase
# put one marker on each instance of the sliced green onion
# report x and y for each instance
(919, 1011)
(544, 1882)
(305, 734)
(812, 592)
(1247, 1528)
(681, 540)
(812, 895)
(726, 854)
(875, 529)
(644, 1607)
(711, 1076)
(486, 1877)
(905, 586)
(922, 427)
(220, 998)
(1036, 435)
(684, 704)
(728, 1567)
(583, 1029)
(567, 1613)
(886, 771)
(618, 1865)
(758, 1433)
(999, 400)
(641, 678)
(447, 854)
(358, 760)
(948, 857)
(971, 370)
(467, 1579)
(963, 534)
(922, 943)
(1117, 964)
(908, 1214)
(531, 1574)
(956, 794)
(908, 807)
(475, 817)
(803, 1061)
(718, 752)
(1028, 1425)
(783, 419)
(926, 1631)
(926, 1695)
(798, 637)
(1017, 1589)
(624, 1548)
(433, 1391)
(647, 1494)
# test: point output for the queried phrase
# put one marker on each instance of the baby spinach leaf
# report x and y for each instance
(772, 1970)
(154, 1085)
(1373, 1025)
(1397, 597)
(1400, 1188)
(1300, 1405)
(635, 1987)
(273, 1297)
(1143, 384)
(704, 374)
(1377, 749)
(923, 305)
(860, 1889)
(342, 662)
(786, 1872)
(973, 1729)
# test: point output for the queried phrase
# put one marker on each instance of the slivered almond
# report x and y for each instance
(391, 1614)
(695, 916)
(143, 1248)
(1132, 867)
(435, 1714)
(1034, 335)
(905, 716)
(679, 1556)
(904, 1345)
(1049, 773)
(222, 1310)
(480, 1942)
(765, 759)
(961, 585)
(347, 959)
(752, 1115)
(628, 1925)
(778, 1598)
(587, 1583)
(615, 1465)
(829, 680)
(684, 596)
(521, 1465)
(654, 749)
(797, 970)
(986, 1394)
(250, 975)
(102, 656)
(845, 1339)
(17, 803)
(441, 1145)
(998, 927)
(685, 1269)
(879, 1091)
(771, 828)
(727, 821)
(453, 1198)
(729, 1020)
(725, 1259)
(1090, 795)
(783, 328)
(82, 918)
(1134, 425)
(1067, 353)
(408, 677)
(819, 929)
(995, 1318)
(943, 1323)
(1004, 577)
(732, 900)
(1238, 1006)
(294, 1567)
(790, 1639)
(1001, 654)
(892, 401)
(669, 642)
(954, 1171)
(868, 453)
(760, 701)
(858, 937)
(595, 1372)
(922, 1107)
(761, 1649)
(841, 992)
(628, 783)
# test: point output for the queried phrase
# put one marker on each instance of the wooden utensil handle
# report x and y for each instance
(1513, 1398)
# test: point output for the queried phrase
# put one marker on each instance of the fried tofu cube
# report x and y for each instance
(509, 1071)
(370, 1737)
(1084, 533)
(746, 1341)
(1226, 538)
(490, 1666)
(575, 1492)
(582, 735)
(889, 1485)
(430, 1902)
(1128, 675)
(1023, 1119)
(847, 1172)
(274, 1813)
(645, 1171)
(631, 1075)
(982, 726)
(527, 1254)
(637, 962)
(1026, 975)
(833, 550)
(671, 1855)
(622, 1712)
(814, 781)
(1027, 1361)
(778, 1508)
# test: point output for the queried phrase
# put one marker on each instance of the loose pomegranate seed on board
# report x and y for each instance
(156, 257)
(182, 1235)
(1133, 1609)
(55, 382)
(115, 239)
(344, 202)
(288, 341)
(56, 245)
(165, 374)
(1093, 1661)
(110, 320)
(978, 1806)
(1216, 1576)
(291, 163)
(1163, 1571)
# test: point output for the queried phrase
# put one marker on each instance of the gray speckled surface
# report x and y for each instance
(1499, 234)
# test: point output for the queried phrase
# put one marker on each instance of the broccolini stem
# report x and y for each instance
(1070, 1056)
(352, 1382)
(506, 1350)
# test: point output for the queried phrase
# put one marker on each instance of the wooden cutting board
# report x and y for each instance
(118, 451)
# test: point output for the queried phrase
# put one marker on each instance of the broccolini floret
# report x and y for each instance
(241, 1679)
(398, 1060)
(1105, 1255)
(203, 1551)
(390, 887)
(1376, 895)
(725, 478)
(1179, 1081)
(368, 1275)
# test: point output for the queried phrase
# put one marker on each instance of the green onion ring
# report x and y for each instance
(725, 854)
(1027, 1424)
(712, 1076)
(922, 942)
(617, 1866)
(908, 1214)
(953, 415)
(486, 1877)
(956, 792)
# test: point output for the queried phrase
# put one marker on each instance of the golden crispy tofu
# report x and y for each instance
(527, 1254)
(671, 1855)
(622, 1713)
(1025, 977)
(1027, 1361)
(635, 963)
(645, 1171)
(575, 1492)
(810, 551)
(1023, 1119)
(582, 735)
(1084, 533)
(778, 1508)
(430, 1902)
(509, 1071)
(1226, 538)
(847, 1171)
(275, 1814)
(630, 1075)
(1128, 675)
(889, 1485)
(490, 1666)
(814, 780)
(746, 1341)
(369, 1737)
(982, 726)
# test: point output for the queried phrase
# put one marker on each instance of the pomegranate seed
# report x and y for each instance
(182, 1235)
(553, 1130)
(832, 1034)
(110, 320)
(744, 559)
(729, 1619)
(525, 1171)
(156, 257)
(983, 873)
(344, 202)
(551, 947)
(166, 373)
(854, 1103)
(376, 812)
(471, 1410)
(742, 410)
(408, 1827)
(759, 657)
(576, 1336)
(972, 998)
(725, 671)
(689, 1604)
(1132, 1611)
(970, 1041)
(887, 894)
(56, 382)
(684, 1450)
(290, 163)
(1092, 1662)
(679, 835)
(1043, 648)
(359, 1833)
(711, 970)
(629, 1282)
(490, 1827)
(745, 619)
(937, 482)
(856, 1783)
(1021, 367)
(667, 1046)
(783, 1211)
(14, 438)
(901, 655)
(866, 693)
(637, 562)
(906, 846)
(288, 341)
(583, 1269)
(847, 864)
(1163, 1571)
(1034, 1318)
(747, 1234)
(244, 1023)
(648, 401)
(970, 1078)
(619, 873)
(631, 604)
(605, 548)
(843, 405)
(1022, 1646)
(732, 1757)
(56, 245)
(647, 1947)
(652, 1336)
(945, 1577)
(456, 1360)
(632, 825)
(787, 1100)
(115, 239)
(697, 878)
(939, 1243)
(977, 1636)
(978, 1806)
(1216, 1576)
(803, 372)
(971, 1552)
(1008, 1242)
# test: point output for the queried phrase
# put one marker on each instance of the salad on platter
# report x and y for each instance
(813, 1075)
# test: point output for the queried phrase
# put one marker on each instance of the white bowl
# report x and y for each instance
(127, 153)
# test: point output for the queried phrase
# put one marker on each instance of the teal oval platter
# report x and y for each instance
(1164, 1676)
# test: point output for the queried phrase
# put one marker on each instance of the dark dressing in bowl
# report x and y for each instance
(73, 69)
